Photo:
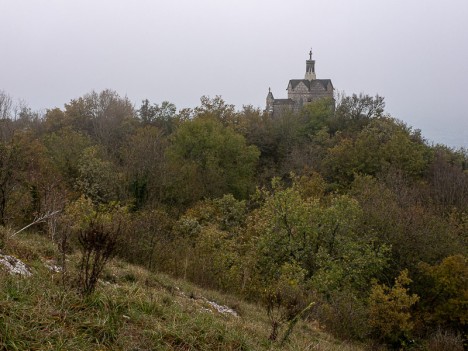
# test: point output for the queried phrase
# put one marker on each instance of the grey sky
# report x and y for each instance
(414, 53)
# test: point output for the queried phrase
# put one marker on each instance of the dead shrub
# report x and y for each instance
(344, 316)
(444, 340)
(97, 245)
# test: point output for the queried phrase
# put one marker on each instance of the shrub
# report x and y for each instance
(445, 340)
(285, 298)
(344, 315)
(97, 245)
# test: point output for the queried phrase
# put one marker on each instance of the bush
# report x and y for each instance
(445, 340)
(285, 298)
(344, 315)
(97, 245)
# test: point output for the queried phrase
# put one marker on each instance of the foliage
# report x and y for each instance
(210, 160)
(105, 117)
(346, 194)
(97, 177)
(389, 309)
(132, 313)
(446, 301)
(145, 165)
(64, 148)
(383, 144)
(344, 315)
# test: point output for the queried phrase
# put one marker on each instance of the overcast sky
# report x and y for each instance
(414, 53)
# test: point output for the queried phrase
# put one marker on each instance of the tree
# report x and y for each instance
(382, 145)
(98, 179)
(64, 149)
(106, 117)
(216, 108)
(354, 112)
(389, 309)
(445, 298)
(6, 106)
(209, 160)
(163, 117)
(20, 168)
(449, 182)
(145, 164)
(7, 126)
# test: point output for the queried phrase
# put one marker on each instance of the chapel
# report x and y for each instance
(301, 91)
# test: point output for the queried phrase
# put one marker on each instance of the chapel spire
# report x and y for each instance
(310, 68)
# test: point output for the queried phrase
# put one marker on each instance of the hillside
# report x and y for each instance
(132, 309)
(337, 213)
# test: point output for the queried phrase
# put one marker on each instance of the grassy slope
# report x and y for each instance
(133, 309)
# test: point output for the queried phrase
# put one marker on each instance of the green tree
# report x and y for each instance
(216, 108)
(382, 145)
(209, 160)
(145, 165)
(321, 235)
(162, 116)
(22, 167)
(354, 112)
(446, 293)
(64, 148)
(98, 179)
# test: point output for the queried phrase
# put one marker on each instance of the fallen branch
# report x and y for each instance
(37, 220)
(294, 321)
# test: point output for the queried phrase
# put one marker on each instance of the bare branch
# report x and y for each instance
(37, 220)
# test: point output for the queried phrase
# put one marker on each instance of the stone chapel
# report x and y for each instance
(301, 91)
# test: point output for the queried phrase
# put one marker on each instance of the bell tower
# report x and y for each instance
(310, 68)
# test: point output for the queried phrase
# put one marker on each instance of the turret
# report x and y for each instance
(310, 68)
(269, 101)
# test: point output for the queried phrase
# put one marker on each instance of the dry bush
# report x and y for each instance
(444, 340)
(344, 316)
(97, 245)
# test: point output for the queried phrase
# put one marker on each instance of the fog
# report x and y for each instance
(414, 53)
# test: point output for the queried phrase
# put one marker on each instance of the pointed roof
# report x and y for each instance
(270, 94)
(310, 83)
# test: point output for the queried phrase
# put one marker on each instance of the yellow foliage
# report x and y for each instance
(389, 308)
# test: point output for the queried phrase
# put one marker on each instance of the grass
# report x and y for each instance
(132, 309)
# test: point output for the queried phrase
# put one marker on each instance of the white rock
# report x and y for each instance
(14, 265)
(52, 267)
(222, 309)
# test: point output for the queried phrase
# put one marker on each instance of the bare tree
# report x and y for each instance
(6, 105)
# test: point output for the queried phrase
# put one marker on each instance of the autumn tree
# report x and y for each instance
(354, 112)
(106, 117)
(65, 148)
(390, 310)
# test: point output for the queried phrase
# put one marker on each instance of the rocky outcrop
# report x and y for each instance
(14, 265)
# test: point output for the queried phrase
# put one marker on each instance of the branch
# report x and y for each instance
(37, 220)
